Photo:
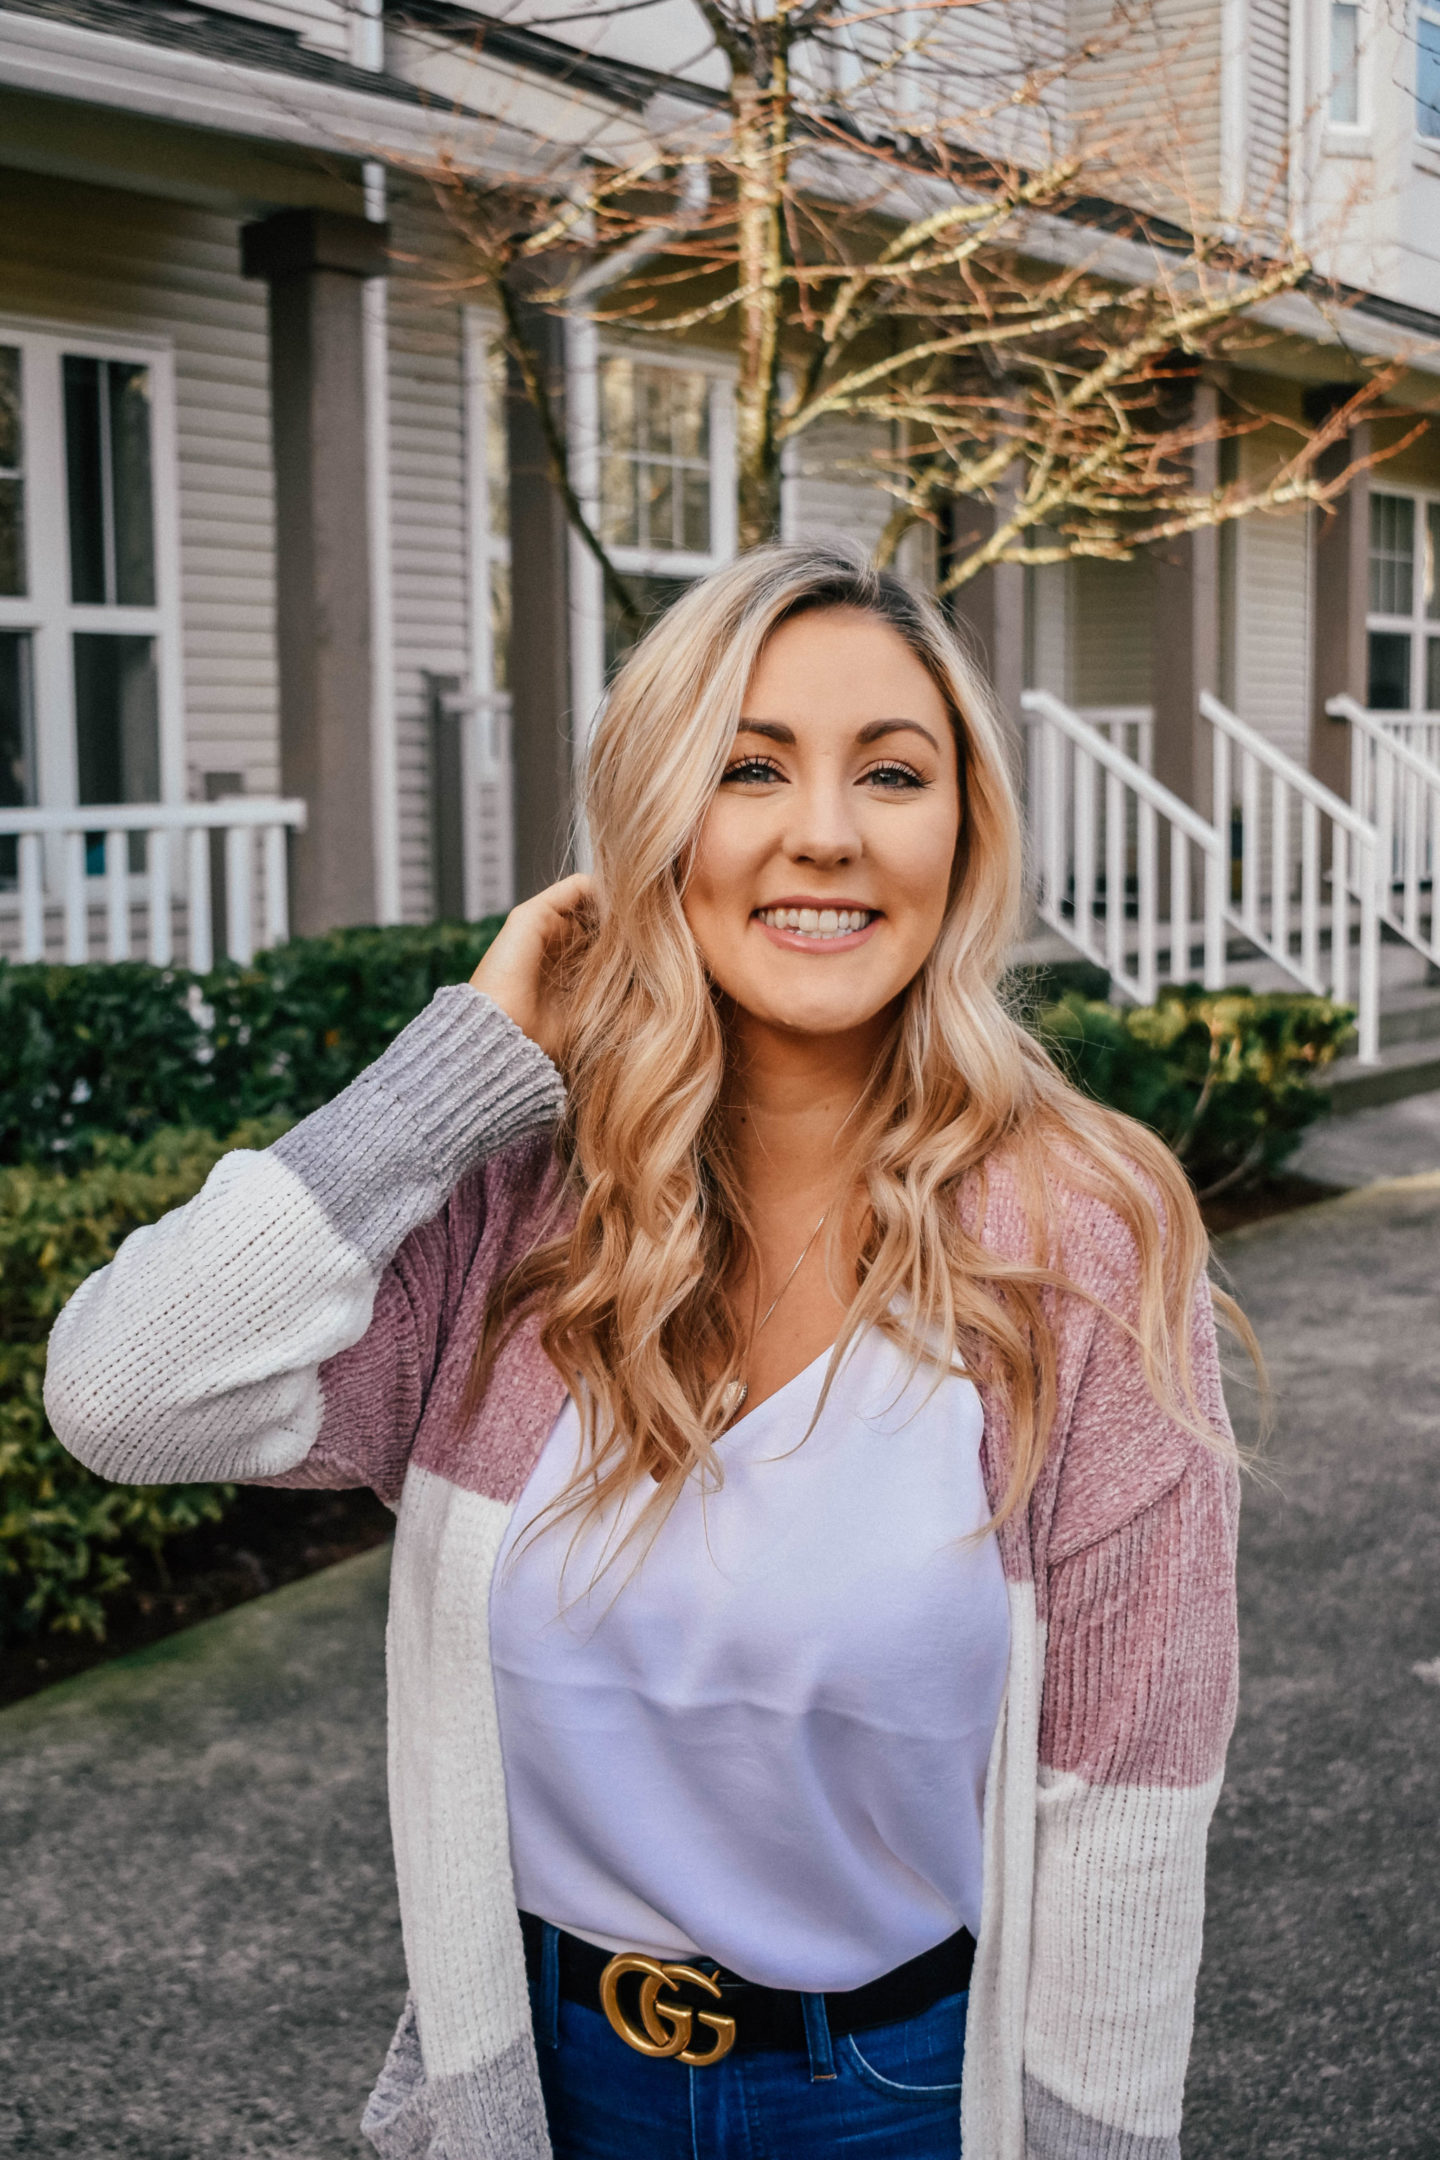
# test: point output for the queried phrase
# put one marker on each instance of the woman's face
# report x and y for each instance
(822, 867)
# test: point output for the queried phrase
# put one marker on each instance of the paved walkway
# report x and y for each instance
(199, 1920)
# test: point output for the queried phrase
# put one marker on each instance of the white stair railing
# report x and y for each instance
(1119, 861)
(53, 905)
(1396, 785)
(1130, 728)
(1307, 874)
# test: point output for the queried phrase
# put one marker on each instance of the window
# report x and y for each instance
(88, 625)
(666, 508)
(1345, 62)
(1403, 641)
(1427, 68)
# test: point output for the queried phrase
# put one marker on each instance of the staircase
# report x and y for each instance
(1284, 886)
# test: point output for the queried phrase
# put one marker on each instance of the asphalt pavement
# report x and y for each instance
(199, 1944)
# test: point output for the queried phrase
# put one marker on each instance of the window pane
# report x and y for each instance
(1388, 689)
(85, 484)
(108, 482)
(1344, 54)
(619, 521)
(1392, 554)
(134, 519)
(696, 536)
(17, 739)
(499, 626)
(117, 719)
(617, 404)
(1427, 73)
(658, 499)
(1432, 563)
(1432, 674)
(12, 486)
(655, 387)
(690, 424)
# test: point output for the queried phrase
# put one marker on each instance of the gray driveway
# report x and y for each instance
(199, 1937)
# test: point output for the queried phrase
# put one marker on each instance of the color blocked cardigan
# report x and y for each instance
(310, 1318)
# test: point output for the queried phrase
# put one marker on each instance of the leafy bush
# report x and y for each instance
(68, 1539)
(1224, 1076)
(125, 1049)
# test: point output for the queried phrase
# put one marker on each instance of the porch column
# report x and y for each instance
(315, 263)
(541, 734)
(1337, 633)
(991, 607)
(1185, 631)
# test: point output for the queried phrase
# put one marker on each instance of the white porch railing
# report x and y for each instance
(56, 909)
(1307, 870)
(1118, 860)
(1130, 728)
(1395, 783)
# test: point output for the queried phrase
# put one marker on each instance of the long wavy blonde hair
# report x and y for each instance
(631, 1283)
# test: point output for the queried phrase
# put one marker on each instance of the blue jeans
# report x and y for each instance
(892, 2093)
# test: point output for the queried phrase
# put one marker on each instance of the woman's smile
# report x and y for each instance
(817, 925)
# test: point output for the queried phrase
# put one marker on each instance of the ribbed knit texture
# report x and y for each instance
(311, 1318)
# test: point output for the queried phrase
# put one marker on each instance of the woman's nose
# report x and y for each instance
(822, 827)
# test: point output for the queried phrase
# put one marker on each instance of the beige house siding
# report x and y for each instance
(1110, 604)
(828, 490)
(323, 25)
(1267, 54)
(104, 260)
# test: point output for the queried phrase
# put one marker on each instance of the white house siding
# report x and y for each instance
(430, 539)
(1160, 74)
(323, 25)
(1267, 59)
(1270, 630)
(1110, 640)
(829, 487)
(103, 260)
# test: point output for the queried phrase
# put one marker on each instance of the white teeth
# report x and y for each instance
(816, 922)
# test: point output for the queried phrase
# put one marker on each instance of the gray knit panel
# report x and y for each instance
(385, 1155)
(495, 2112)
(1056, 2131)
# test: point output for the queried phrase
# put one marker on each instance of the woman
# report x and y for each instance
(815, 1500)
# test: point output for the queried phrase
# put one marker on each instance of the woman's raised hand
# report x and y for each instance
(525, 969)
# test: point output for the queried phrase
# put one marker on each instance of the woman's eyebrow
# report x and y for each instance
(873, 730)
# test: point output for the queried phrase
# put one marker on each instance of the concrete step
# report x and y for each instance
(1405, 1069)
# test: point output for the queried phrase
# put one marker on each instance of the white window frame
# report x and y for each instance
(47, 611)
(585, 350)
(486, 755)
(1419, 627)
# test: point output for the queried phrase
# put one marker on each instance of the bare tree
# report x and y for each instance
(927, 216)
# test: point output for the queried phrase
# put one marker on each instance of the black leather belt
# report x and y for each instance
(766, 2017)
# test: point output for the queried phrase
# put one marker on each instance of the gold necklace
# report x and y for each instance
(733, 1396)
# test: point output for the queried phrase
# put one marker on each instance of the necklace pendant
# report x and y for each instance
(732, 1398)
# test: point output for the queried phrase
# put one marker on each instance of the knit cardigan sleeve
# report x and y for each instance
(200, 1351)
(1137, 1706)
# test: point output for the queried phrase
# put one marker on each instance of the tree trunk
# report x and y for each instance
(759, 134)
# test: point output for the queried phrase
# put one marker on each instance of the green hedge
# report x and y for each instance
(88, 1053)
(1224, 1076)
(68, 1540)
(120, 1087)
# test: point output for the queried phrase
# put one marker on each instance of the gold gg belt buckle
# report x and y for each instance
(666, 2024)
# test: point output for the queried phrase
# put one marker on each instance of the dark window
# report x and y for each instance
(108, 478)
(1427, 71)
(12, 481)
(117, 730)
(1389, 672)
(17, 739)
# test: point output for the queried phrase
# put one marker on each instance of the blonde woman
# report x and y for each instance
(812, 1641)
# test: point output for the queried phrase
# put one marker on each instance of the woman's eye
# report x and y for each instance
(751, 768)
(896, 776)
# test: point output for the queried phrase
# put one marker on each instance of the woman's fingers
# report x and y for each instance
(517, 972)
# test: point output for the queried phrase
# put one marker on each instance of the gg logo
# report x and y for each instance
(667, 2024)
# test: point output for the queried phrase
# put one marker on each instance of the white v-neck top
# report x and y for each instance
(768, 1745)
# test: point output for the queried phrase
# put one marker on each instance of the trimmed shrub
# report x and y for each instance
(125, 1049)
(68, 1540)
(1224, 1076)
